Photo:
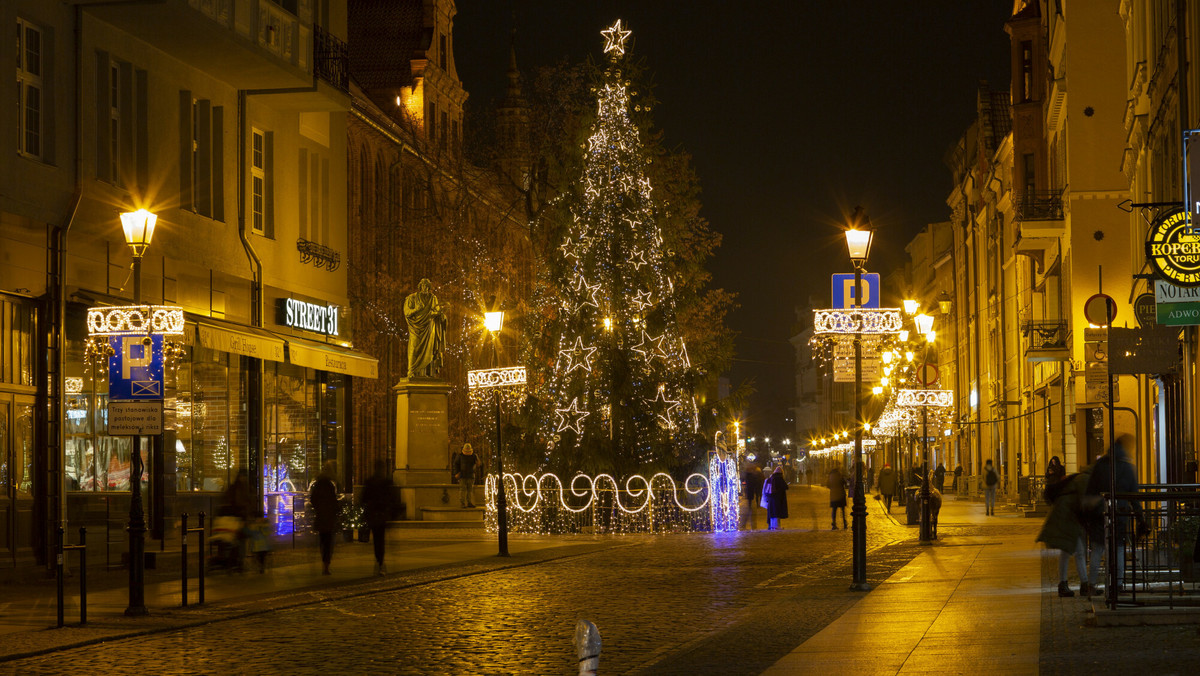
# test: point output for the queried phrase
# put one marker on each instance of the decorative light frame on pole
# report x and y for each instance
(858, 243)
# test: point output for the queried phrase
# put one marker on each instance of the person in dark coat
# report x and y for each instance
(957, 476)
(754, 479)
(837, 495)
(1063, 530)
(1055, 472)
(777, 507)
(1093, 506)
(887, 485)
(236, 504)
(377, 500)
(323, 499)
(464, 471)
(939, 478)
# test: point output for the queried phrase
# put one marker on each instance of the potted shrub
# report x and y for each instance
(352, 520)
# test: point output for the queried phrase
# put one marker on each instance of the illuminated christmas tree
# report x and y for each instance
(615, 380)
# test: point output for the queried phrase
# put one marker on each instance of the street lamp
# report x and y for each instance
(858, 243)
(494, 321)
(139, 230)
(925, 325)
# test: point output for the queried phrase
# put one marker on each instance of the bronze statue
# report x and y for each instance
(426, 332)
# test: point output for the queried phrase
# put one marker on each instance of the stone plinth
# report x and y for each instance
(422, 433)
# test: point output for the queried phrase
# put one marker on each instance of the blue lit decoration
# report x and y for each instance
(723, 477)
(600, 505)
(278, 484)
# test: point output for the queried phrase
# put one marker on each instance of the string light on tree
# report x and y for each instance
(571, 417)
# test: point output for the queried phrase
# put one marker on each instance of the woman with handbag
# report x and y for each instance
(775, 498)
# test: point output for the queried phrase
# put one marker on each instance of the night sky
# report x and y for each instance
(794, 111)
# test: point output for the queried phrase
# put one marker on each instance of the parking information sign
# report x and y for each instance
(135, 369)
(843, 291)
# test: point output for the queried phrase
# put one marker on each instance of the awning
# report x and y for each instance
(331, 358)
(236, 339)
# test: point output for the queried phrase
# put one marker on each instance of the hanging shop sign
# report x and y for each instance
(1153, 350)
(299, 314)
(1145, 309)
(1176, 305)
(1173, 248)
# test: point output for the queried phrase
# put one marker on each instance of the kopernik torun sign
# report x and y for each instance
(1173, 248)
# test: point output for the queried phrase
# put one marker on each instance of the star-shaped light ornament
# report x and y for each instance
(575, 249)
(642, 299)
(578, 356)
(650, 347)
(571, 417)
(615, 37)
(638, 260)
(588, 292)
(669, 406)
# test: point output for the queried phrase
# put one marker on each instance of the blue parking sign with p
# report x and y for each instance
(135, 369)
(843, 291)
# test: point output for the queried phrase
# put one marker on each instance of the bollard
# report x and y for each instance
(183, 518)
(587, 646)
(60, 561)
(183, 554)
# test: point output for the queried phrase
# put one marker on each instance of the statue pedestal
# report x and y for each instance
(422, 469)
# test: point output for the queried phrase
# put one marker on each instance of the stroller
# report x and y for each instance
(226, 543)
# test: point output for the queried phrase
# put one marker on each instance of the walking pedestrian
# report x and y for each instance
(777, 507)
(887, 485)
(235, 509)
(1093, 505)
(870, 478)
(957, 476)
(939, 478)
(1055, 472)
(377, 500)
(754, 479)
(990, 479)
(1063, 530)
(465, 473)
(323, 498)
(837, 496)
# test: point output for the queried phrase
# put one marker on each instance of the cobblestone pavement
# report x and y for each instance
(732, 603)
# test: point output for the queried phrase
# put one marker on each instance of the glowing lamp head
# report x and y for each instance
(858, 242)
(493, 321)
(924, 323)
(608, 323)
(886, 357)
(877, 390)
(904, 335)
(944, 303)
(911, 306)
(931, 336)
(139, 230)
(908, 355)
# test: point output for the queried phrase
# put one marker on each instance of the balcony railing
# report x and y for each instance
(1040, 205)
(1047, 340)
(330, 59)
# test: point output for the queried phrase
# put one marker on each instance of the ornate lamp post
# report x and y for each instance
(494, 322)
(858, 242)
(139, 230)
(925, 326)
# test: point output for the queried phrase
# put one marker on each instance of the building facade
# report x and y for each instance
(227, 120)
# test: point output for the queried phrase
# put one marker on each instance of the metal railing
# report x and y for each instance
(1040, 205)
(1161, 524)
(1045, 334)
(330, 59)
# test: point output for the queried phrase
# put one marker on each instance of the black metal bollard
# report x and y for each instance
(61, 560)
(199, 556)
(183, 555)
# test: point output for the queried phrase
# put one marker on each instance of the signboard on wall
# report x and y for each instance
(1173, 248)
(1176, 305)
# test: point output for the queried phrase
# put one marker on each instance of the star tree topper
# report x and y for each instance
(615, 38)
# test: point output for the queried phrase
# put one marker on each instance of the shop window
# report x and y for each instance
(1026, 71)
(93, 460)
(16, 341)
